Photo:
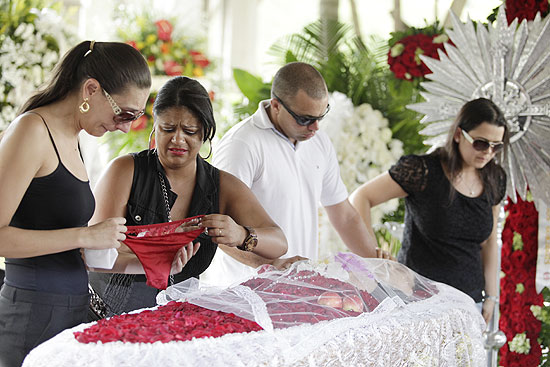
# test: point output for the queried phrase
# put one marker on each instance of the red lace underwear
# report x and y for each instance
(155, 245)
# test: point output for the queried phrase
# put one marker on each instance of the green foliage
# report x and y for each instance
(253, 88)
(544, 337)
(387, 241)
(430, 30)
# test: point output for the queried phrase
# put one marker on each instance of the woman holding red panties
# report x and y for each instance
(173, 182)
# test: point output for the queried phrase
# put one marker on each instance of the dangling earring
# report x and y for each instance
(151, 137)
(84, 106)
(209, 152)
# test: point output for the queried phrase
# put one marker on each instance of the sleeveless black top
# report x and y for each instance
(443, 235)
(56, 201)
(146, 204)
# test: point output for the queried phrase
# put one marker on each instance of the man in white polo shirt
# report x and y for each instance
(291, 166)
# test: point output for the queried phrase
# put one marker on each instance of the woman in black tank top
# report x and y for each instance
(45, 192)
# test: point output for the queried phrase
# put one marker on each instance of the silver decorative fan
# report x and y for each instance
(511, 66)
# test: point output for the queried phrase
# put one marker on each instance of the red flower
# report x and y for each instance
(404, 59)
(133, 44)
(519, 267)
(164, 29)
(525, 9)
(199, 59)
(139, 124)
(399, 70)
(172, 68)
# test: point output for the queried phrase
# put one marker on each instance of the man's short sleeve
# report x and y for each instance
(235, 156)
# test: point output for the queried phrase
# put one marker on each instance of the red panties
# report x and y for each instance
(155, 245)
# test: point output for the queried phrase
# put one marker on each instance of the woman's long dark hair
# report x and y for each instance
(182, 91)
(471, 115)
(116, 66)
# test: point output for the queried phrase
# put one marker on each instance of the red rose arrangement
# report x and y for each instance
(517, 286)
(406, 48)
(175, 321)
(525, 9)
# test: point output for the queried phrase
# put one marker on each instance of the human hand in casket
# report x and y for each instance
(183, 255)
(283, 264)
(382, 254)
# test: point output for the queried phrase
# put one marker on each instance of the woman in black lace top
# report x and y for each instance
(452, 201)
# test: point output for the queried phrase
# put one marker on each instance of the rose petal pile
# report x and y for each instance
(175, 321)
(517, 287)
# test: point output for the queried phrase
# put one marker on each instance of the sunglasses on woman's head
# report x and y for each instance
(482, 145)
(302, 120)
(122, 116)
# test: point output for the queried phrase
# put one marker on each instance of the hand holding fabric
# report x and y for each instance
(183, 255)
(223, 230)
(104, 235)
(156, 246)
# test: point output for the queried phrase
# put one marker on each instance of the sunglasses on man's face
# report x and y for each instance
(303, 120)
(482, 145)
(122, 116)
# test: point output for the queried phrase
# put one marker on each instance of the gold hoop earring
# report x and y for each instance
(209, 152)
(84, 106)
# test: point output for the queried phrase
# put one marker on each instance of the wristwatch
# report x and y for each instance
(250, 241)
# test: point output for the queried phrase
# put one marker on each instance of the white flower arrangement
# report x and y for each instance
(27, 57)
(520, 344)
(365, 148)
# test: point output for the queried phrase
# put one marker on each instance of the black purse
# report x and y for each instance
(98, 308)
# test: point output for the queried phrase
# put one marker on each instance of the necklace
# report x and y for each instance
(471, 187)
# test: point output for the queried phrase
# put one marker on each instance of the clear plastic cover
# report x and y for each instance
(343, 286)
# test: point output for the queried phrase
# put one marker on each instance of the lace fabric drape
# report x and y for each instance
(408, 321)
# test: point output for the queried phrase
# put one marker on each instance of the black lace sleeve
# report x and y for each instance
(411, 173)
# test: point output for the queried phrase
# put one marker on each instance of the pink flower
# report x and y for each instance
(172, 68)
(164, 29)
(199, 59)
